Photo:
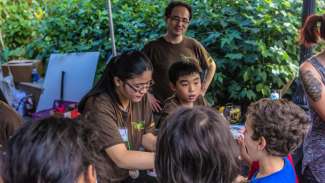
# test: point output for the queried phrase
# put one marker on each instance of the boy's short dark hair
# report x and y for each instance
(195, 145)
(173, 4)
(183, 68)
(51, 150)
(282, 123)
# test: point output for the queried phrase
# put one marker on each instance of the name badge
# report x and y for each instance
(124, 134)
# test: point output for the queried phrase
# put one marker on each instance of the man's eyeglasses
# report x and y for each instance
(140, 87)
(179, 19)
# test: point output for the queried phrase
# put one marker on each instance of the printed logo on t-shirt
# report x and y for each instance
(189, 59)
(138, 125)
(124, 134)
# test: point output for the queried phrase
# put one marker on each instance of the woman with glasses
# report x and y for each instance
(119, 111)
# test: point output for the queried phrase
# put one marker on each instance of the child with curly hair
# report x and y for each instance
(273, 129)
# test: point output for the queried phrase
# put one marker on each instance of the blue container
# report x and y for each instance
(35, 75)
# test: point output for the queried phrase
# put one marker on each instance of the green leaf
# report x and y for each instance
(265, 91)
(211, 38)
(225, 41)
(259, 87)
(246, 76)
(234, 56)
(251, 95)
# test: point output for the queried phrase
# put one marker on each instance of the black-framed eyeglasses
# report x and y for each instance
(179, 19)
(140, 87)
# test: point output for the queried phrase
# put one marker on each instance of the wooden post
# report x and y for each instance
(298, 96)
(308, 9)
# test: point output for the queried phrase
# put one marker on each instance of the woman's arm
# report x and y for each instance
(149, 142)
(130, 160)
(314, 88)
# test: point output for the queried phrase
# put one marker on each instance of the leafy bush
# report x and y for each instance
(253, 42)
(18, 27)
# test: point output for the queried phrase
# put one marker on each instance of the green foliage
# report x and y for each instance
(18, 27)
(252, 41)
(71, 26)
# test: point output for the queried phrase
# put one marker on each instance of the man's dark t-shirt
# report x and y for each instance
(163, 54)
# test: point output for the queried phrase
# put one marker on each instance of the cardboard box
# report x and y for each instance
(31, 89)
(22, 69)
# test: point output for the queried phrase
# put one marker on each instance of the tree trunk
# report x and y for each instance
(308, 9)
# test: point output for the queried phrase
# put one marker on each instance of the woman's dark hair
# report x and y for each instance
(125, 66)
(48, 151)
(195, 145)
(2, 97)
(10, 121)
(313, 29)
(183, 68)
(174, 4)
(282, 123)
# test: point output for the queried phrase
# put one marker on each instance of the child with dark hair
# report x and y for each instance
(119, 111)
(312, 75)
(50, 151)
(186, 82)
(273, 129)
(195, 145)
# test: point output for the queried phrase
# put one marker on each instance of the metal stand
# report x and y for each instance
(111, 26)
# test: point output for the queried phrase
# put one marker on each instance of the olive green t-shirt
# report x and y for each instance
(110, 123)
(163, 54)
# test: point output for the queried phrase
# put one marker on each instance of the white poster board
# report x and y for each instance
(79, 68)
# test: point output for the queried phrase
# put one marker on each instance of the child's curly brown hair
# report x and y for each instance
(282, 123)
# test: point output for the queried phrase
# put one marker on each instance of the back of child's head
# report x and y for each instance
(195, 145)
(48, 151)
(282, 123)
(183, 67)
(10, 121)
